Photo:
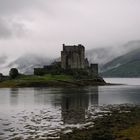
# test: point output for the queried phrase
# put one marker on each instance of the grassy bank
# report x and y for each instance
(121, 124)
(32, 80)
(48, 80)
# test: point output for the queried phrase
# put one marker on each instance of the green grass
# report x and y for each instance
(130, 133)
(28, 80)
(47, 80)
(45, 77)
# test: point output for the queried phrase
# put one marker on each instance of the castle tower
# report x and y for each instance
(73, 57)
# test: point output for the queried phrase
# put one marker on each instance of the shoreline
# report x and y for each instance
(121, 122)
(52, 83)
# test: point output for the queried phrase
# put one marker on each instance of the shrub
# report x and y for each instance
(39, 71)
(13, 73)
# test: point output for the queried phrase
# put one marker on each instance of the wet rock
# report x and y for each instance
(1, 133)
(6, 123)
(9, 129)
(17, 138)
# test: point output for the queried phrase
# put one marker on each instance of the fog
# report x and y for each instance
(42, 26)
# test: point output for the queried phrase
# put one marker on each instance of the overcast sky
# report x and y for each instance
(42, 26)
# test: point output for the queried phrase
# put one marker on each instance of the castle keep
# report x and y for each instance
(73, 57)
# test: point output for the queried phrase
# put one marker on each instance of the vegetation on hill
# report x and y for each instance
(127, 65)
(131, 69)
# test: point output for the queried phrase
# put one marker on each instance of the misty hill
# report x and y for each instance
(26, 63)
(105, 56)
(127, 65)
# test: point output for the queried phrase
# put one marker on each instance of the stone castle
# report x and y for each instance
(72, 59)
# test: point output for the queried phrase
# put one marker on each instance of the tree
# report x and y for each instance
(13, 73)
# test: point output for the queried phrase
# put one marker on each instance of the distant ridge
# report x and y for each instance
(26, 63)
(127, 65)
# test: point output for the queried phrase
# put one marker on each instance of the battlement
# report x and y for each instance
(73, 48)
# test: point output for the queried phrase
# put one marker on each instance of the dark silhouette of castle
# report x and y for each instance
(73, 57)
(73, 62)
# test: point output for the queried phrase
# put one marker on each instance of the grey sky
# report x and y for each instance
(42, 26)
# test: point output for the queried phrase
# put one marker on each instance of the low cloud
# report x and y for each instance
(42, 26)
(3, 59)
(11, 29)
(5, 31)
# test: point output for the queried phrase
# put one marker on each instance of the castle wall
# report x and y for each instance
(63, 60)
(73, 57)
(94, 69)
(86, 64)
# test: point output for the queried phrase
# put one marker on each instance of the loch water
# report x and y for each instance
(37, 113)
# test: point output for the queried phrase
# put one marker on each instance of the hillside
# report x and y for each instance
(127, 65)
(26, 63)
(103, 55)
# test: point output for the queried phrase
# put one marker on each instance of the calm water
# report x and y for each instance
(38, 113)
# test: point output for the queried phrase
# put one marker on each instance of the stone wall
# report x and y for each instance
(73, 57)
(94, 69)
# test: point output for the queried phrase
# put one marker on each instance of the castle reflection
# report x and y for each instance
(14, 96)
(75, 102)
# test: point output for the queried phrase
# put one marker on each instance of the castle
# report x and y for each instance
(72, 59)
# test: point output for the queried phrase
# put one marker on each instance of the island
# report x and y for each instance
(74, 69)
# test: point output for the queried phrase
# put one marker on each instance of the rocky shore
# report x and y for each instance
(115, 123)
(112, 122)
